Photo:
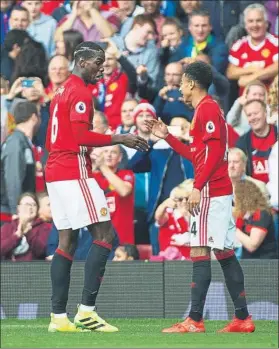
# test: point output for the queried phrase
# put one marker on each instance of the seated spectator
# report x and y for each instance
(254, 223)
(272, 13)
(127, 10)
(152, 8)
(58, 72)
(126, 252)
(258, 142)
(67, 44)
(184, 9)
(127, 119)
(44, 207)
(142, 112)
(19, 18)
(167, 170)
(87, 18)
(25, 238)
(172, 218)
(84, 243)
(254, 57)
(17, 159)
(119, 80)
(169, 101)
(4, 85)
(236, 116)
(118, 186)
(272, 185)
(237, 164)
(100, 123)
(139, 47)
(273, 102)
(42, 27)
(31, 90)
(31, 61)
(202, 40)
(13, 43)
(6, 7)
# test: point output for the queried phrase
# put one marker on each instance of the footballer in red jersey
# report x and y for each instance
(210, 202)
(76, 199)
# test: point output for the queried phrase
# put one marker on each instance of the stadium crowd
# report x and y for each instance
(147, 45)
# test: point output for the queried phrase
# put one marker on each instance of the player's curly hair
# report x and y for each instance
(199, 72)
(87, 50)
(249, 198)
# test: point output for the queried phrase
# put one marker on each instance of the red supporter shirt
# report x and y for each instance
(121, 208)
(243, 53)
(208, 149)
(67, 160)
(176, 224)
(261, 148)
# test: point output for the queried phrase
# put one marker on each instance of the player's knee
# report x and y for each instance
(103, 231)
(200, 252)
(68, 242)
(223, 254)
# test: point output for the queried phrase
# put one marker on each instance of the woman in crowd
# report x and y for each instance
(126, 253)
(254, 222)
(25, 238)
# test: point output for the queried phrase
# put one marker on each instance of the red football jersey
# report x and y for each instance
(121, 208)
(209, 123)
(243, 53)
(67, 160)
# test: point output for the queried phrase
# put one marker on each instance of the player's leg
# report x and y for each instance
(87, 317)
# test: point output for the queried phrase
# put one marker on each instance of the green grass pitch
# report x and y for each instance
(135, 333)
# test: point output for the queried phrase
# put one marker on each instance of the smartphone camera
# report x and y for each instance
(27, 83)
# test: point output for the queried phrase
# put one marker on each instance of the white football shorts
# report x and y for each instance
(214, 225)
(77, 203)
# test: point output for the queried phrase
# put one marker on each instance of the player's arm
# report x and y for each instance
(257, 234)
(122, 187)
(210, 118)
(181, 148)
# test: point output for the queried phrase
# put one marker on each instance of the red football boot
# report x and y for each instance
(237, 325)
(187, 326)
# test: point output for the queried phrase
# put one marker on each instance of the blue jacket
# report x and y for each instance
(155, 161)
(84, 243)
(217, 50)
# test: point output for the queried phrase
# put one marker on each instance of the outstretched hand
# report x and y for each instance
(157, 128)
(133, 141)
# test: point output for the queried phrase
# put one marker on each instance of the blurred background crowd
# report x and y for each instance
(147, 45)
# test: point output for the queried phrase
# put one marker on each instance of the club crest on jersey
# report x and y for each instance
(210, 127)
(80, 107)
(103, 211)
(265, 53)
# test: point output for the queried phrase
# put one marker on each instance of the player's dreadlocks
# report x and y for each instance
(87, 50)
(199, 72)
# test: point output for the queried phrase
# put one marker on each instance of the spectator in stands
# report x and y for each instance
(32, 90)
(139, 47)
(58, 72)
(237, 164)
(273, 102)
(100, 123)
(44, 207)
(19, 18)
(119, 80)
(67, 44)
(272, 185)
(258, 142)
(6, 7)
(25, 238)
(143, 112)
(42, 27)
(17, 159)
(13, 43)
(31, 61)
(84, 243)
(236, 116)
(87, 18)
(173, 218)
(202, 40)
(184, 9)
(118, 186)
(126, 252)
(152, 8)
(272, 12)
(254, 57)
(254, 223)
(127, 10)
(127, 119)
(167, 168)
(4, 85)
